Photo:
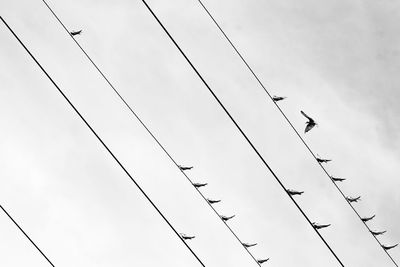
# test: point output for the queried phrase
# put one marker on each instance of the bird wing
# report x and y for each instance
(389, 247)
(305, 115)
(309, 126)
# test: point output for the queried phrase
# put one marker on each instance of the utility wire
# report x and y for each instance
(102, 142)
(289, 122)
(33, 243)
(239, 128)
(146, 128)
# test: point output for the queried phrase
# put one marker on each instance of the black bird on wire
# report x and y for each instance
(184, 168)
(337, 179)
(375, 233)
(73, 33)
(294, 192)
(198, 185)
(366, 219)
(226, 218)
(353, 199)
(247, 245)
(319, 226)
(389, 247)
(262, 261)
(212, 201)
(186, 237)
(321, 160)
(278, 98)
(310, 123)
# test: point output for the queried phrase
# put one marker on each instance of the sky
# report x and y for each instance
(336, 60)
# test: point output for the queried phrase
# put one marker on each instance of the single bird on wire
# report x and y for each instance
(278, 98)
(248, 245)
(337, 179)
(375, 233)
(184, 168)
(186, 237)
(389, 247)
(262, 261)
(226, 218)
(310, 123)
(319, 226)
(321, 160)
(212, 201)
(198, 185)
(73, 33)
(294, 192)
(366, 219)
(353, 199)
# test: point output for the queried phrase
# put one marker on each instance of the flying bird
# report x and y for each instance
(366, 219)
(247, 245)
(278, 98)
(198, 185)
(320, 160)
(73, 33)
(389, 247)
(353, 199)
(212, 201)
(310, 123)
(337, 179)
(183, 168)
(186, 237)
(294, 192)
(319, 226)
(377, 233)
(262, 261)
(226, 218)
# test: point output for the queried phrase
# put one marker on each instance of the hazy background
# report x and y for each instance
(336, 60)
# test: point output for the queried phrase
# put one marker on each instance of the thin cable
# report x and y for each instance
(238, 128)
(33, 243)
(146, 128)
(104, 145)
(289, 122)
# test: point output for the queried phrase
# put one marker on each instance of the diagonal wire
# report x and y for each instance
(289, 122)
(33, 243)
(145, 127)
(102, 142)
(239, 128)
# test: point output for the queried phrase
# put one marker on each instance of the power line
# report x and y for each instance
(289, 122)
(239, 128)
(145, 127)
(33, 243)
(102, 142)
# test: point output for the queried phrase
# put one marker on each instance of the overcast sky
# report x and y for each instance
(336, 60)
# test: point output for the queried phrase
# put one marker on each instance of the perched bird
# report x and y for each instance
(73, 33)
(186, 237)
(293, 192)
(247, 245)
(183, 168)
(212, 201)
(353, 199)
(320, 160)
(226, 218)
(198, 185)
(366, 219)
(319, 226)
(310, 123)
(377, 233)
(278, 98)
(389, 247)
(337, 179)
(262, 261)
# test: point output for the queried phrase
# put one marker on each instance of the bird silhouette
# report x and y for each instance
(198, 185)
(366, 219)
(186, 237)
(337, 179)
(212, 201)
(377, 233)
(278, 98)
(321, 160)
(183, 168)
(247, 245)
(319, 226)
(353, 199)
(226, 218)
(389, 247)
(262, 261)
(310, 123)
(294, 192)
(73, 33)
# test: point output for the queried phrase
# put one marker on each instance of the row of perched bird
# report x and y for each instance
(223, 217)
(309, 125)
